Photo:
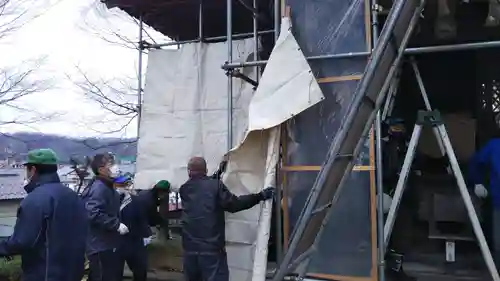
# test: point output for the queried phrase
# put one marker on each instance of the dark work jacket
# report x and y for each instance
(149, 201)
(134, 216)
(204, 201)
(102, 202)
(50, 232)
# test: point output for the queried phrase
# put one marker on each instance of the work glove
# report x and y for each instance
(223, 165)
(267, 193)
(147, 240)
(480, 191)
(122, 229)
(387, 201)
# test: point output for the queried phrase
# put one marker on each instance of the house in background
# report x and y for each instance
(11, 193)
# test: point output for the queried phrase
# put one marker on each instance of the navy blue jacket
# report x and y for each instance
(204, 203)
(102, 202)
(50, 232)
(149, 201)
(134, 216)
(485, 164)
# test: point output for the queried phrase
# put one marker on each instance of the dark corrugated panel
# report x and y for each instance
(331, 27)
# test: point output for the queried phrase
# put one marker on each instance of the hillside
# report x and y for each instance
(18, 144)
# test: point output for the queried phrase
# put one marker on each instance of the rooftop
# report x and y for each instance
(11, 184)
(178, 19)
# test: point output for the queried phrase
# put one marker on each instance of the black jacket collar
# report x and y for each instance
(38, 180)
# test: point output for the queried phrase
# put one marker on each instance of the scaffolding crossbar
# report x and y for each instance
(408, 51)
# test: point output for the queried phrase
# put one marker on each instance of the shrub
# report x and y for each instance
(11, 270)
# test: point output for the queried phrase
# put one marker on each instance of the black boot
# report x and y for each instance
(394, 267)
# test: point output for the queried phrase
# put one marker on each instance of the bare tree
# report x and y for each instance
(116, 97)
(16, 84)
(25, 78)
(14, 14)
(117, 27)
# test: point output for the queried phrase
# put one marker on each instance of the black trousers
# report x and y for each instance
(206, 267)
(136, 256)
(105, 266)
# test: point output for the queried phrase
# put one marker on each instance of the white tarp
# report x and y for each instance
(184, 115)
(287, 87)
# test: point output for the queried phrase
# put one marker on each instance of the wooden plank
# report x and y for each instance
(334, 79)
(306, 168)
(337, 277)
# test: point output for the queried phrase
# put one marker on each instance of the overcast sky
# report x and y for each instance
(69, 33)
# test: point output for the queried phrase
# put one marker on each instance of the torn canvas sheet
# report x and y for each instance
(184, 113)
(252, 164)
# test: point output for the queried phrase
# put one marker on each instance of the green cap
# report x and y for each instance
(43, 156)
(163, 184)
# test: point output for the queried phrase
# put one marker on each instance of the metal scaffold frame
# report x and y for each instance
(229, 66)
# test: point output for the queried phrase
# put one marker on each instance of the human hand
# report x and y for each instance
(267, 193)
(223, 164)
(480, 191)
(122, 229)
(147, 240)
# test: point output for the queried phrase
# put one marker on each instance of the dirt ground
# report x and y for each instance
(165, 261)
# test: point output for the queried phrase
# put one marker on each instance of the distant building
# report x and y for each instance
(126, 160)
(11, 193)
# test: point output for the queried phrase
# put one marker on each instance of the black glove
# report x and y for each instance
(267, 193)
(8, 258)
(223, 166)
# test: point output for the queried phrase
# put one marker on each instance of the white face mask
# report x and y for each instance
(27, 179)
(114, 171)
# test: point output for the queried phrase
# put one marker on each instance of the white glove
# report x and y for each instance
(147, 240)
(122, 229)
(387, 201)
(480, 191)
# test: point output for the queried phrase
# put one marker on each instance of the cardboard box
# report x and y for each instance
(461, 130)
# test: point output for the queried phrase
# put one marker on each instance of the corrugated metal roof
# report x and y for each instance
(11, 184)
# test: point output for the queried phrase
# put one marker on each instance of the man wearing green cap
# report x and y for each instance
(50, 231)
(154, 199)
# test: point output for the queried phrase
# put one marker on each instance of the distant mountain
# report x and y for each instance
(18, 144)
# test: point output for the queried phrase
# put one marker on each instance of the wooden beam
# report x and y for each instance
(306, 168)
(337, 277)
(334, 79)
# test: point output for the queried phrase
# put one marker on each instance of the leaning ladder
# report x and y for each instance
(347, 143)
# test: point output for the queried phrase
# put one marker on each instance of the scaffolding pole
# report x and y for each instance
(139, 76)
(229, 29)
(200, 21)
(207, 39)
(378, 163)
(408, 51)
(279, 194)
(256, 39)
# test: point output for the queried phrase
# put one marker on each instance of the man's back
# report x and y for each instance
(134, 216)
(204, 201)
(59, 251)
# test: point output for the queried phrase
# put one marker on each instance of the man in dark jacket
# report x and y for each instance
(152, 199)
(50, 230)
(204, 201)
(102, 202)
(134, 216)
